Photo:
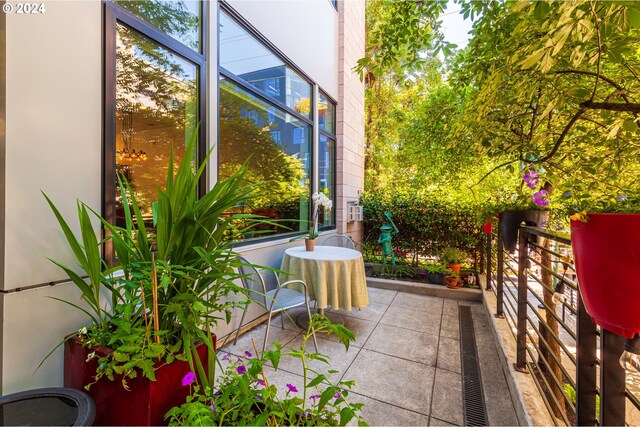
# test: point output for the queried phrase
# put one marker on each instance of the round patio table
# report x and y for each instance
(334, 276)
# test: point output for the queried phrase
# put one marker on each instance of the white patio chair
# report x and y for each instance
(275, 300)
(339, 240)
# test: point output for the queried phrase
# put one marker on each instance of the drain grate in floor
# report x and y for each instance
(475, 411)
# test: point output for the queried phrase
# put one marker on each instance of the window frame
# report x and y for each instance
(313, 121)
(112, 15)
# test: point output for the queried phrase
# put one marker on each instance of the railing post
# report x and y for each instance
(488, 236)
(521, 336)
(500, 277)
(612, 380)
(586, 362)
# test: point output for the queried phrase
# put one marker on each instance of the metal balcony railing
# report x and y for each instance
(574, 363)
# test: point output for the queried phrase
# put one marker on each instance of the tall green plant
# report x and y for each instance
(172, 289)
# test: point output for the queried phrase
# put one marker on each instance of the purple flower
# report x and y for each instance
(337, 395)
(246, 353)
(242, 369)
(541, 198)
(218, 393)
(226, 356)
(292, 388)
(567, 194)
(260, 382)
(531, 179)
(622, 198)
(188, 379)
(213, 407)
(314, 397)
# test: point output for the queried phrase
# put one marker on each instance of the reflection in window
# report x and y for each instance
(243, 55)
(277, 147)
(156, 107)
(326, 174)
(326, 114)
(178, 18)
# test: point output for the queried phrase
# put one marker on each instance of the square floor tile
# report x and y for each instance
(382, 296)
(360, 327)
(420, 321)
(257, 334)
(373, 312)
(447, 397)
(450, 327)
(450, 308)
(436, 422)
(418, 302)
(449, 354)
(396, 381)
(339, 360)
(404, 343)
(378, 413)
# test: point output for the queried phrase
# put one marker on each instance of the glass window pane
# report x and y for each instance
(156, 107)
(178, 18)
(326, 114)
(278, 148)
(243, 55)
(326, 175)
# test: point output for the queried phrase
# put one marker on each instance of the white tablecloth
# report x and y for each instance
(334, 276)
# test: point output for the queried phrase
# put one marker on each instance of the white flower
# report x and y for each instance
(91, 356)
(82, 331)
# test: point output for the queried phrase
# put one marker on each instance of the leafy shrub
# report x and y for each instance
(426, 227)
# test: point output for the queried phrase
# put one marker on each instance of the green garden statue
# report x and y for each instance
(387, 232)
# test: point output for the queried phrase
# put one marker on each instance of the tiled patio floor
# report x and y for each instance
(405, 361)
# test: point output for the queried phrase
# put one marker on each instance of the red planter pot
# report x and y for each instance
(606, 251)
(146, 402)
(487, 227)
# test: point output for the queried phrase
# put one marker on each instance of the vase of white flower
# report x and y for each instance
(319, 199)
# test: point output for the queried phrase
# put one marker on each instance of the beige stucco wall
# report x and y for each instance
(350, 114)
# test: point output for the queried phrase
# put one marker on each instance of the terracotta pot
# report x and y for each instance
(607, 260)
(310, 244)
(452, 282)
(454, 267)
(510, 222)
(146, 402)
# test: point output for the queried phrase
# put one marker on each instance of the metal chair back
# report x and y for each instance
(339, 240)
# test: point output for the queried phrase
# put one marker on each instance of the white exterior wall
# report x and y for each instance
(54, 144)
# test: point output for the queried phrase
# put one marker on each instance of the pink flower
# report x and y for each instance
(541, 198)
(188, 379)
(242, 369)
(531, 179)
(292, 388)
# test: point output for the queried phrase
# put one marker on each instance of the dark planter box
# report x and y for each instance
(146, 402)
(435, 278)
(511, 220)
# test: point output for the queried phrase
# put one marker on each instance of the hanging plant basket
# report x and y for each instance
(606, 251)
(511, 220)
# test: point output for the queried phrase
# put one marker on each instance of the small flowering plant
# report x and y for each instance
(243, 395)
(579, 202)
(319, 199)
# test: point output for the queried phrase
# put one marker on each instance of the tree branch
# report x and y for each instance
(560, 139)
(493, 170)
(611, 106)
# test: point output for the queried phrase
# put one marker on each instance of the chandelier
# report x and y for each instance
(128, 152)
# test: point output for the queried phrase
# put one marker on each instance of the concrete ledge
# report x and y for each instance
(440, 291)
(528, 403)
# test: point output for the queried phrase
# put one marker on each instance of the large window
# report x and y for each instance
(327, 152)
(153, 95)
(267, 117)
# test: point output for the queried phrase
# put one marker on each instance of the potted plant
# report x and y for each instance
(242, 394)
(436, 272)
(453, 258)
(164, 296)
(319, 199)
(604, 239)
